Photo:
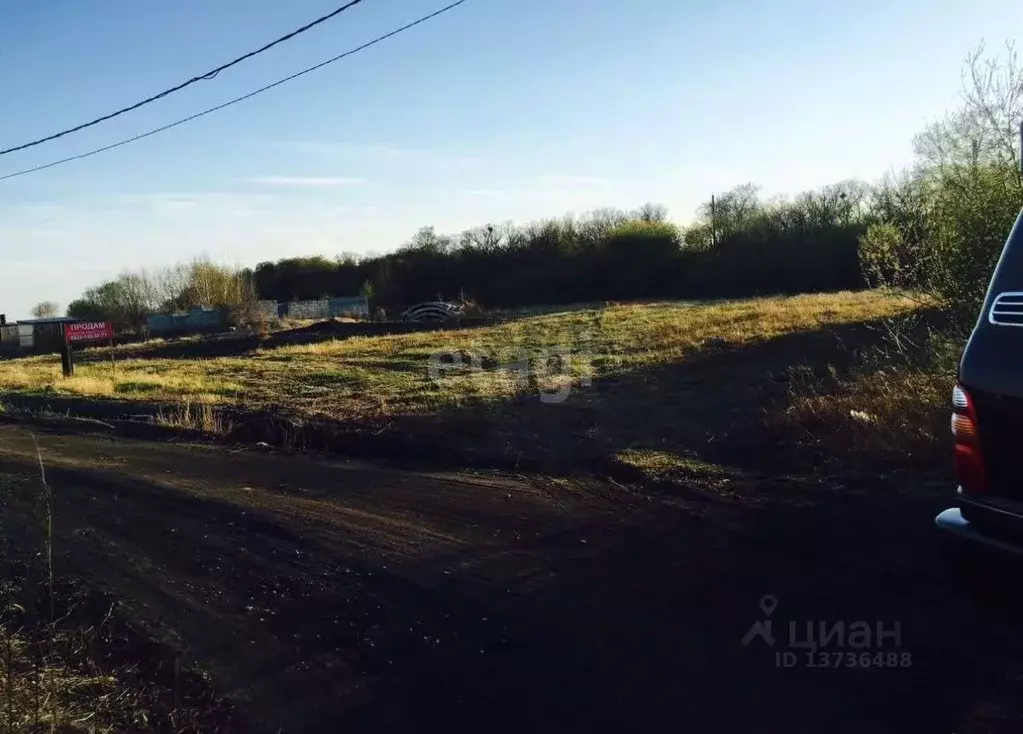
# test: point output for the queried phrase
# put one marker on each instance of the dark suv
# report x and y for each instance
(987, 416)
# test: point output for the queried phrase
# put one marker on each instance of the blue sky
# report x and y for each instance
(500, 110)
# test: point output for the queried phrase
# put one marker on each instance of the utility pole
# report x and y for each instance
(713, 223)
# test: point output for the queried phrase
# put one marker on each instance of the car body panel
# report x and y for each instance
(991, 371)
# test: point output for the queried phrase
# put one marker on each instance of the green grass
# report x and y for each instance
(667, 466)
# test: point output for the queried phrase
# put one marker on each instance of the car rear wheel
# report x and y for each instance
(982, 576)
(966, 569)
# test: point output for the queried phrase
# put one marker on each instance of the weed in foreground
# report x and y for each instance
(195, 417)
(891, 408)
(59, 671)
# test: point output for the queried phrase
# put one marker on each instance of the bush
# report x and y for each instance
(884, 257)
(644, 240)
(974, 211)
(891, 409)
(248, 315)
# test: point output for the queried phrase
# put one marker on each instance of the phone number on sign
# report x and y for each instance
(858, 660)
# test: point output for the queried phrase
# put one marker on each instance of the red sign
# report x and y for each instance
(89, 331)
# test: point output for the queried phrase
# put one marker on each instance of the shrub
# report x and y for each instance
(644, 240)
(884, 257)
(891, 408)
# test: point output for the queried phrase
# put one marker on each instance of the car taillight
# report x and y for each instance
(969, 461)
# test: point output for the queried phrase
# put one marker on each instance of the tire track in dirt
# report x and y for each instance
(323, 595)
(289, 578)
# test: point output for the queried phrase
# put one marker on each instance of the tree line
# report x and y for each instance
(758, 247)
(128, 300)
(935, 228)
(748, 246)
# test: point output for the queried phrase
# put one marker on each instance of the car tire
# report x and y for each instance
(982, 577)
(965, 569)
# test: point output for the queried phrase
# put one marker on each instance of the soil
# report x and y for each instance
(326, 595)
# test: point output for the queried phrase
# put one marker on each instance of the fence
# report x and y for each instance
(192, 322)
(200, 320)
(268, 310)
(9, 337)
(325, 308)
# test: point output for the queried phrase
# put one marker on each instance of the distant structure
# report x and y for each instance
(195, 321)
(325, 308)
(434, 311)
(35, 335)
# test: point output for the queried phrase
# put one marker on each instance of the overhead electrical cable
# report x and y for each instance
(202, 77)
(236, 100)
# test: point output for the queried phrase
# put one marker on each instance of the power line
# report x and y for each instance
(211, 110)
(204, 77)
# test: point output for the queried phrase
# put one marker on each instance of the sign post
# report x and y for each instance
(67, 360)
(85, 332)
(82, 332)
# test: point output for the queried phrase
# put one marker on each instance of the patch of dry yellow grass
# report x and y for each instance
(901, 417)
(376, 376)
(127, 379)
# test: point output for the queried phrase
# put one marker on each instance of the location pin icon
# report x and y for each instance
(768, 604)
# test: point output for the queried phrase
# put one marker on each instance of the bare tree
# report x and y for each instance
(652, 213)
(135, 298)
(485, 239)
(595, 226)
(986, 129)
(732, 209)
(232, 290)
(428, 241)
(839, 203)
(45, 310)
(169, 284)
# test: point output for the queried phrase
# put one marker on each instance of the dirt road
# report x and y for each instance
(326, 596)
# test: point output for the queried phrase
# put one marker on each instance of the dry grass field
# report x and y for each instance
(651, 384)
(587, 455)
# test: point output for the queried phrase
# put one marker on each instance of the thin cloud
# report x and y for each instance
(378, 152)
(196, 198)
(304, 181)
(574, 182)
(43, 208)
